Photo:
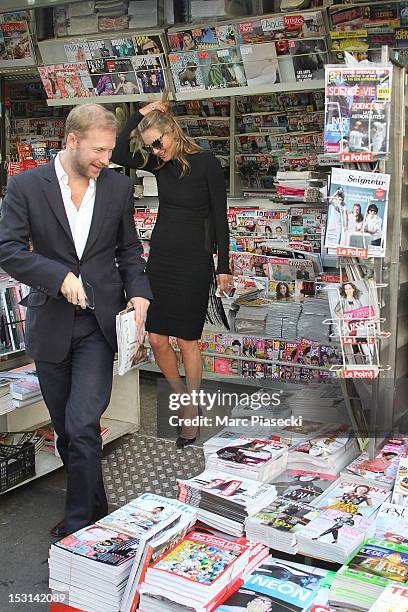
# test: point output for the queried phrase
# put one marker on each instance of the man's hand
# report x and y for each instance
(225, 283)
(73, 291)
(140, 305)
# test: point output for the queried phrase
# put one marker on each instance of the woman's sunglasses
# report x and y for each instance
(156, 144)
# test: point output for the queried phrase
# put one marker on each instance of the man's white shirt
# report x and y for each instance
(79, 219)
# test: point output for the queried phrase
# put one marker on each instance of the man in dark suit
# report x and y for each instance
(84, 264)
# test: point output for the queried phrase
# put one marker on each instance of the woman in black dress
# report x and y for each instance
(191, 223)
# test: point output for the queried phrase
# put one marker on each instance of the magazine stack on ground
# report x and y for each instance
(157, 545)
(223, 500)
(334, 535)
(277, 524)
(400, 491)
(329, 452)
(111, 554)
(383, 468)
(250, 458)
(361, 582)
(92, 567)
(392, 523)
(280, 586)
(198, 572)
(393, 598)
(302, 486)
(6, 400)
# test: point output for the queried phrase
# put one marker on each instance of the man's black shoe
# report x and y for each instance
(59, 531)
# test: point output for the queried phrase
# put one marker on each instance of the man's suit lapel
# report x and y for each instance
(99, 212)
(53, 195)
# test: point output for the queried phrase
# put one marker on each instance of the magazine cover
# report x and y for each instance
(353, 498)
(309, 57)
(142, 517)
(357, 213)
(354, 308)
(222, 68)
(123, 47)
(78, 52)
(250, 451)
(15, 44)
(100, 544)
(278, 586)
(186, 71)
(150, 73)
(400, 493)
(240, 491)
(103, 84)
(301, 486)
(193, 40)
(357, 119)
(198, 560)
(285, 515)
(392, 599)
(392, 523)
(384, 466)
(100, 49)
(148, 44)
(384, 559)
(120, 64)
(345, 530)
(260, 64)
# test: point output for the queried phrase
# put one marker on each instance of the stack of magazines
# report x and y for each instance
(392, 523)
(198, 573)
(280, 586)
(100, 566)
(157, 544)
(352, 497)
(92, 566)
(277, 524)
(302, 486)
(360, 583)
(251, 458)
(393, 598)
(334, 536)
(328, 452)
(400, 491)
(382, 469)
(223, 500)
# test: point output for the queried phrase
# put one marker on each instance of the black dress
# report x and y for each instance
(191, 222)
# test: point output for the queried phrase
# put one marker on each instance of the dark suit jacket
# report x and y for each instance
(33, 209)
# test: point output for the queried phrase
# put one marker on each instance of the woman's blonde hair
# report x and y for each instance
(164, 123)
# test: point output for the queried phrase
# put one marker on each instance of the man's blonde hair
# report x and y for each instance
(86, 116)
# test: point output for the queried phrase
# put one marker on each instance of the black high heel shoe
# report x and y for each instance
(182, 442)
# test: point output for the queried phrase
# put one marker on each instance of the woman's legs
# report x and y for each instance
(166, 359)
(193, 366)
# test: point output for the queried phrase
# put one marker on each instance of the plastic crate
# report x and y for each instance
(17, 463)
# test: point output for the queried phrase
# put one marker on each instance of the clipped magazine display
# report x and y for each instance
(357, 213)
(357, 113)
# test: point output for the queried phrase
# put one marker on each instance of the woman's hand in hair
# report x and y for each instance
(160, 106)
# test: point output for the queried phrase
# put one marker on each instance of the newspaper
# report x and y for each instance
(131, 350)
